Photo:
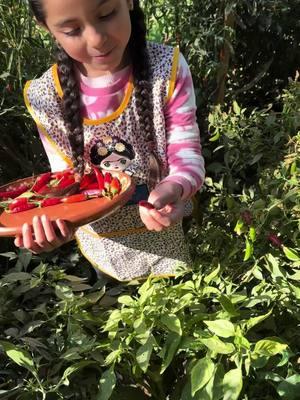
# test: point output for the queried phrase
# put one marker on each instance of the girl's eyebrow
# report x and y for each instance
(71, 20)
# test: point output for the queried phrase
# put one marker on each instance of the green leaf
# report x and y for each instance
(169, 350)
(201, 374)
(256, 320)
(17, 276)
(73, 368)
(239, 227)
(296, 291)
(27, 195)
(213, 390)
(215, 137)
(185, 301)
(221, 327)
(289, 389)
(273, 266)
(143, 354)
(256, 158)
(228, 306)
(113, 356)
(291, 254)
(232, 384)
(107, 384)
(211, 119)
(172, 323)
(73, 278)
(64, 292)
(236, 108)
(126, 300)
(113, 320)
(269, 347)
(212, 275)
(19, 356)
(217, 346)
(10, 255)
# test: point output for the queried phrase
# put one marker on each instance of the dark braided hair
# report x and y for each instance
(142, 81)
(138, 53)
(71, 94)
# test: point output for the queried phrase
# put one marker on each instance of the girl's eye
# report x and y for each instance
(73, 32)
(123, 161)
(107, 16)
(107, 164)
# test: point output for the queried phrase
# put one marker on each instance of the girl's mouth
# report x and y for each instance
(103, 56)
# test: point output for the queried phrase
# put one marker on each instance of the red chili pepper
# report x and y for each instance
(75, 198)
(50, 202)
(247, 217)
(115, 186)
(17, 202)
(91, 186)
(146, 204)
(100, 179)
(13, 193)
(41, 181)
(88, 180)
(66, 181)
(62, 174)
(107, 180)
(274, 240)
(23, 207)
(9, 88)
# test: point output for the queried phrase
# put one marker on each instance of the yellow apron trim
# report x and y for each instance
(172, 81)
(42, 128)
(56, 81)
(108, 235)
(111, 117)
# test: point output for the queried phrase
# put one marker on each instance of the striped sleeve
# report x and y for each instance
(186, 163)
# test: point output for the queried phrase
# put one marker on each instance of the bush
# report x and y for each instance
(225, 330)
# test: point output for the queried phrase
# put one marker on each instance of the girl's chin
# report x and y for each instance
(98, 66)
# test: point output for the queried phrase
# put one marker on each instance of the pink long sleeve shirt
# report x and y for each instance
(103, 95)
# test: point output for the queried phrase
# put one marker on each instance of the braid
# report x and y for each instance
(142, 74)
(71, 107)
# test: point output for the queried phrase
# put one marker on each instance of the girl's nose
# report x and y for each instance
(95, 38)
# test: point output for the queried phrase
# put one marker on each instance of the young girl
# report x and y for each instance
(114, 99)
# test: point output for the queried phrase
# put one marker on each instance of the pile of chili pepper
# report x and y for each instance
(41, 193)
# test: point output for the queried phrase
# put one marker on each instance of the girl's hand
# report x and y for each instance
(168, 207)
(43, 235)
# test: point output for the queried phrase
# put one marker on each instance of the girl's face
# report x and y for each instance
(115, 162)
(95, 33)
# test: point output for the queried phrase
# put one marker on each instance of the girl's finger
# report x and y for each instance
(40, 235)
(170, 215)
(50, 234)
(164, 219)
(149, 221)
(19, 241)
(66, 232)
(28, 240)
